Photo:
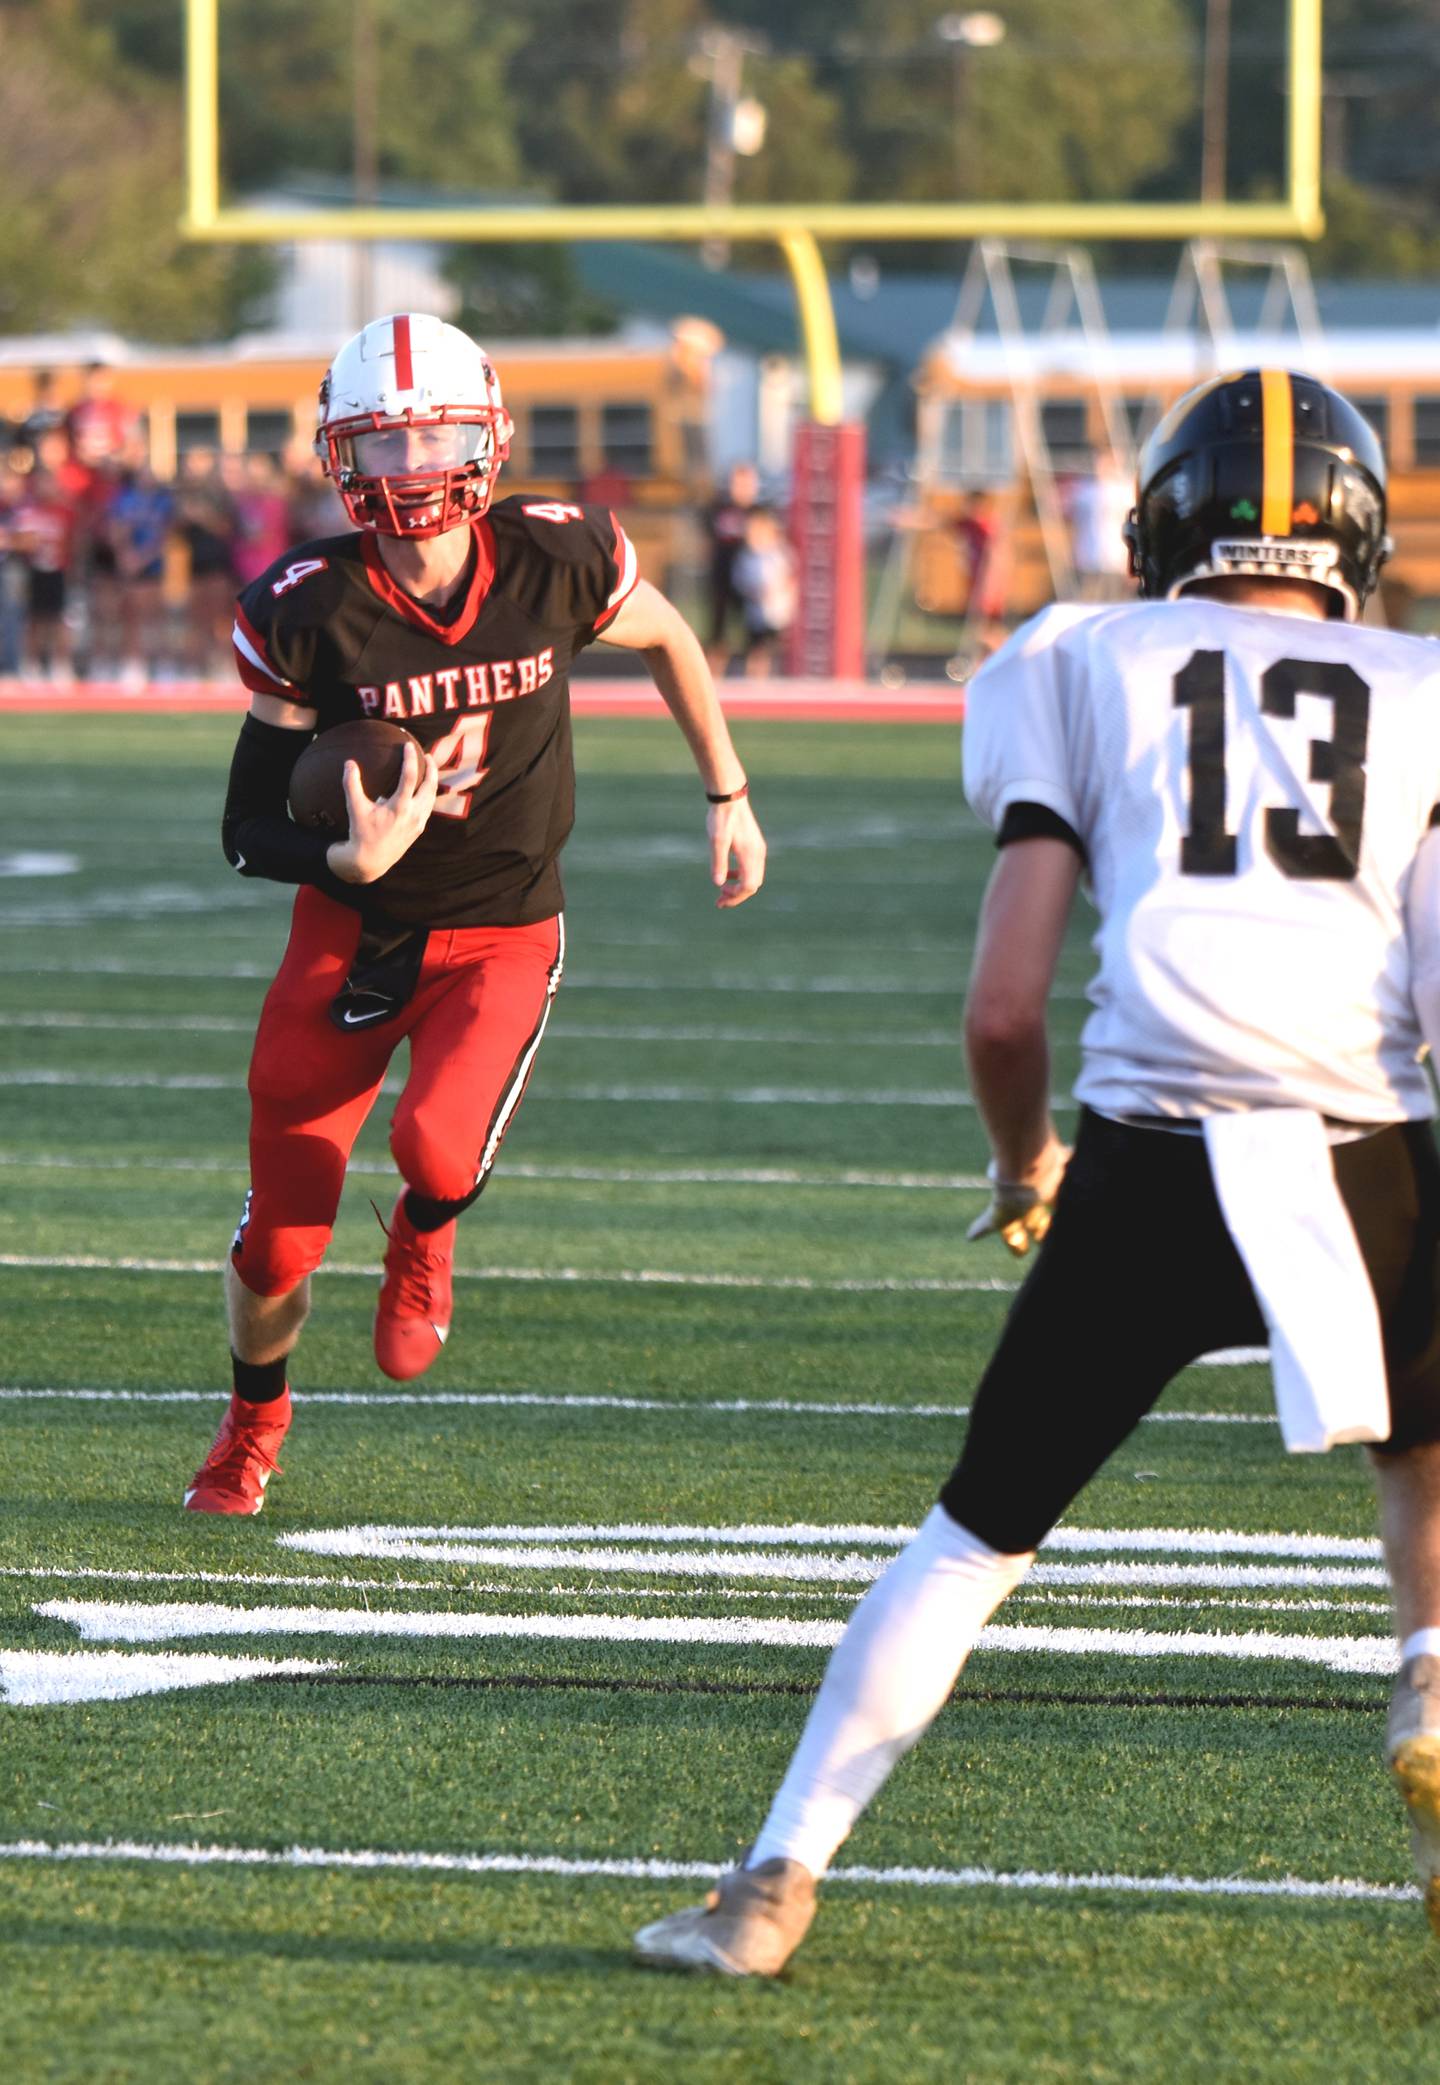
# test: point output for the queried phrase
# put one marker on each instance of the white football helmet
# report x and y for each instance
(412, 427)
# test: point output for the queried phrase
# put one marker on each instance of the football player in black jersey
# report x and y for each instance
(437, 919)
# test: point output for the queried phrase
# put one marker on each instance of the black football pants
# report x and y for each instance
(1138, 1277)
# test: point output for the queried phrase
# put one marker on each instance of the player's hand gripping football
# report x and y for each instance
(385, 827)
(737, 852)
(1019, 1211)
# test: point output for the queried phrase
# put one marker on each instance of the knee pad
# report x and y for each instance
(430, 1163)
(270, 1257)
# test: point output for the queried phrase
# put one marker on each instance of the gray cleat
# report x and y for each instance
(1413, 1749)
(750, 1924)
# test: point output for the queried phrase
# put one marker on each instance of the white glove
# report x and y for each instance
(1020, 1214)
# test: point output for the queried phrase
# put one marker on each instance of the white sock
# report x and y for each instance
(1425, 1643)
(888, 1678)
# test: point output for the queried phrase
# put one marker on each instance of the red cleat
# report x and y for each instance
(233, 1476)
(412, 1318)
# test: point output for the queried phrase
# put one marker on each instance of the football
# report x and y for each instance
(317, 787)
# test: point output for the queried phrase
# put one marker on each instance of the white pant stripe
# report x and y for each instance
(517, 1085)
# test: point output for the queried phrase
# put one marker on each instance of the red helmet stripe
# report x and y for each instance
(404, 366)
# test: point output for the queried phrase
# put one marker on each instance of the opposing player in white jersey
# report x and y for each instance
(1249, 783)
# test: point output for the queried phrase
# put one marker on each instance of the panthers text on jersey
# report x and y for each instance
(1251, 789)
(483, 684)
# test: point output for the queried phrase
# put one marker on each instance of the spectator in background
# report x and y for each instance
(262, 514)
(205, 521)
(44, 416)
(316, 508)
(86, 452)
(45, 527)
(52, 454)
(1096, 506)
(102, 428)
(725, 527)
(140, 519)
(14, 568)
(100, 644)
(607, 487)
(985, 547)
(764, 582)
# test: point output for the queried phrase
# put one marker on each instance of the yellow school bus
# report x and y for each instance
(971, 392)
(624, 423)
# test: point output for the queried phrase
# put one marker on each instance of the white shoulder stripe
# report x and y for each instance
(246, 648)
(629, 570)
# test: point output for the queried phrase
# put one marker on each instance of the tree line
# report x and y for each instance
(614, 102)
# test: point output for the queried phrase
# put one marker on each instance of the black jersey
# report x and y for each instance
(483, 685)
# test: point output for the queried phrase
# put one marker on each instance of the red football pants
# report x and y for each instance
(474, 1026)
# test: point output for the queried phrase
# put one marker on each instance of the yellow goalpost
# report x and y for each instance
(797, 227)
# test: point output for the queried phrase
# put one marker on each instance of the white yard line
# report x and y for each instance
(650, 1095)
(846, 1568)
(105, 1621)
(315, 1581)
(136, 1024)
(1287, 1888)
(644, 1176)
(624, 1277)
(579, 1031)
(779, 1407)
(842, 987)
(50, 1679)
(576, 981)
(372, 1538)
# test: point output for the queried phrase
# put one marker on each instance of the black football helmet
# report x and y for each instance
(1264, 474)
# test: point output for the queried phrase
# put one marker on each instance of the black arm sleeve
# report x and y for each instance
(259, 836)
(1027, 821)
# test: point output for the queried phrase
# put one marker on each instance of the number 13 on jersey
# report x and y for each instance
(1208, 849)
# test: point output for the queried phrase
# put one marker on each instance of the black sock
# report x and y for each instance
(259, 1382)
(428, 1215)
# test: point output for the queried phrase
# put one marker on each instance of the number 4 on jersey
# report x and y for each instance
(1208, 849)
(460, 757)
(553, 510)
(301, 569)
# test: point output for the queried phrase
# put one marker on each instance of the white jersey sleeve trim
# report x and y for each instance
(249, 653)
(629, 569)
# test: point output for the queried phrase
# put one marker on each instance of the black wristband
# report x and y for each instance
(732, 796)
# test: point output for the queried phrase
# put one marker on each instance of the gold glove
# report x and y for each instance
(1019, 1215)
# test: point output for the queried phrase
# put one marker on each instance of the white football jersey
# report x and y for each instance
(1251, 789)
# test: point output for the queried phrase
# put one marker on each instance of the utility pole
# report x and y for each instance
(1216, 98)
(364, 85)
(736, 124)
(976, 31)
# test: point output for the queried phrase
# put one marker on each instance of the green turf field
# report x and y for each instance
(714, 1338)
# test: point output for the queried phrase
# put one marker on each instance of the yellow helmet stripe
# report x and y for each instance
(1278, 434)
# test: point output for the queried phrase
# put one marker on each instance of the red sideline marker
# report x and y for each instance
(824, 702)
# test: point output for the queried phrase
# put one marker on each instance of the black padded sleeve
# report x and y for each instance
(1024, 821)
(259, 836)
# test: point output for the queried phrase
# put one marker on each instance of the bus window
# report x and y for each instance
(554, 441)
(1141, 416)
(1427, 432)
(196, 431)
(267, 431)
(1064, 423)
(975, 445)
(625, 438)
(1376, 411)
